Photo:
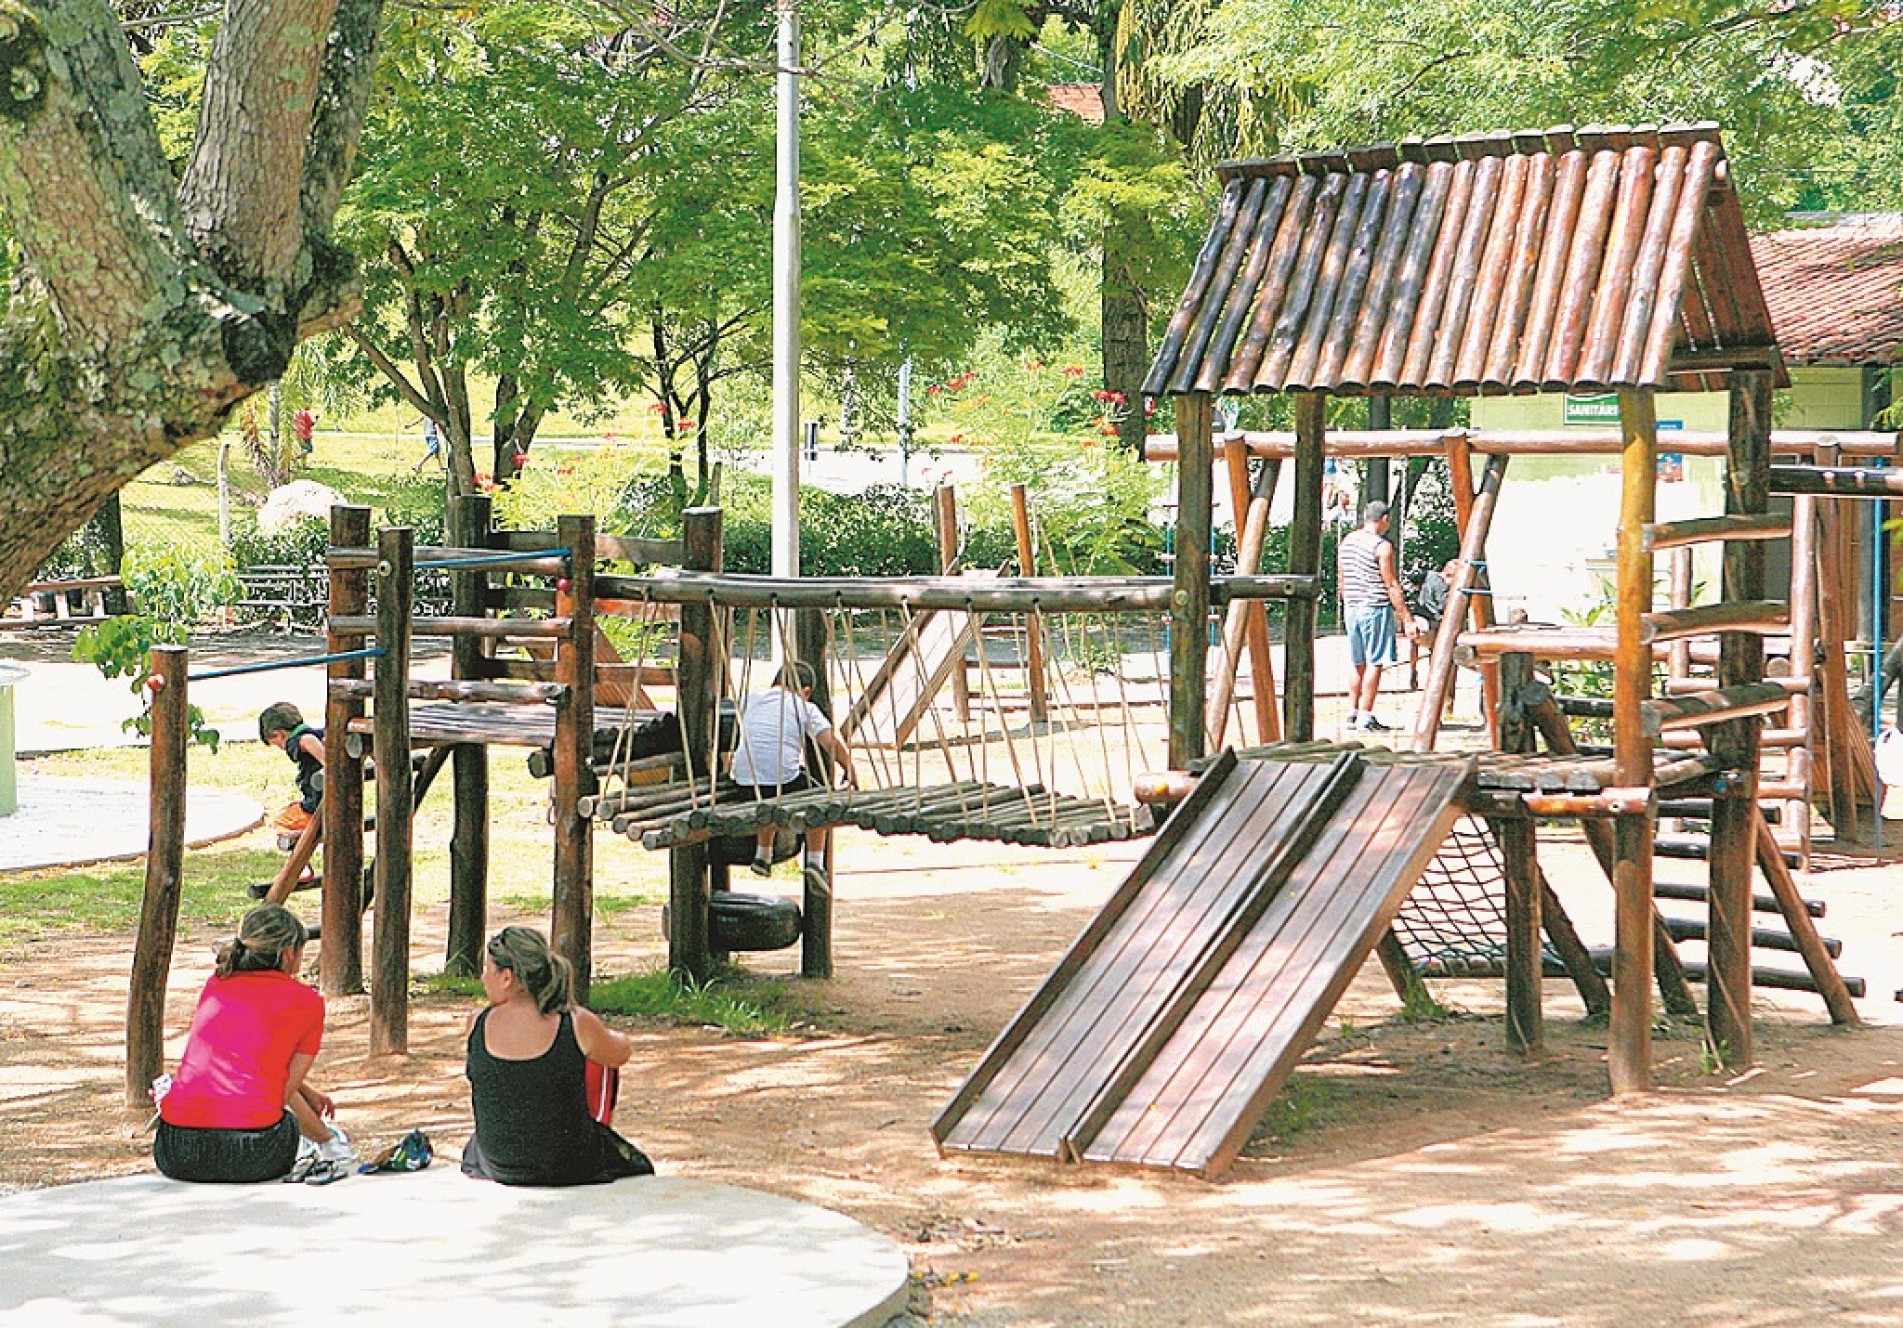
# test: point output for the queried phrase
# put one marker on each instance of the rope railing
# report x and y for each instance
(300, 662)
(1044, 594)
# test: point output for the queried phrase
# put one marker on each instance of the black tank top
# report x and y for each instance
(532, 1120)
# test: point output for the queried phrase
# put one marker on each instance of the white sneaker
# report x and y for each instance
(337, 1148)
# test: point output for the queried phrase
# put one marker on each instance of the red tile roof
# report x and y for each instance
(1083, 100)
(1836, 292)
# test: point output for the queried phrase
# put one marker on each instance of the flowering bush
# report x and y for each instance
(1036, 424)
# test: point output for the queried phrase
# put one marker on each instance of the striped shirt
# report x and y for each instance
(1358, 568)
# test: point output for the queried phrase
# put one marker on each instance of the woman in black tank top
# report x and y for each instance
(527, 1067)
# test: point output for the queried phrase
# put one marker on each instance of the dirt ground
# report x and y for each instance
(1413, 1172)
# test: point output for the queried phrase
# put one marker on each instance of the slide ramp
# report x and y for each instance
(1179, 1012)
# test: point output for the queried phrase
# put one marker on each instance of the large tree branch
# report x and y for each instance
(81, 176)
(243, 187)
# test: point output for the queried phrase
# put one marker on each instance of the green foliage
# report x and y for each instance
(179, 585)
(1430, 537)
(885, 530)
(730, 1002)
(1091, 502)
(300, 544)
(122, 648)
(1353, 71)
(600, 482)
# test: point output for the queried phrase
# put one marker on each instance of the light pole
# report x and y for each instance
(786, 303)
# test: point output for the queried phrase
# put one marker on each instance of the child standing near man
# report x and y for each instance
(770, 758)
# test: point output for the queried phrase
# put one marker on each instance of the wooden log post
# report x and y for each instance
(1479, 607)
(1304, 559)
(1519, 852)
(1796, 813)
(816, 907)
(1033, 620)
(945, 508)
(1467, 579)
(1517, 685)
(572, 910)
(390, 958)
(1247, 621)
(1629, 1050)
(1734, 813)
(340, 958)
(1189, 596)
(469, 840)
(164, 874)
(697, 697)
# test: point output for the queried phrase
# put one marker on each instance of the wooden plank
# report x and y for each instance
(1736, 526)
(470, 522)
(1319, 803)
(895, 701)
(1139, 965)
(1197, 1106)
(1183, 825)
(340, 958)
(1205, 1063)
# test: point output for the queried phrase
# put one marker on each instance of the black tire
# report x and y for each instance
(751, 922)
(737, 850)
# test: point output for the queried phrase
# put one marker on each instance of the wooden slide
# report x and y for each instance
(1178, 1014)
(888, 712)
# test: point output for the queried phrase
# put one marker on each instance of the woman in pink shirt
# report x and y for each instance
(240, 1103)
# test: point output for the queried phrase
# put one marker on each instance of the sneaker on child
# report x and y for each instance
(761, 867)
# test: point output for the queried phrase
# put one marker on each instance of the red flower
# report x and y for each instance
(521, 459)
(686, 426)
(933, 390)
(1073, 371)
(1102, 395)
(1087, 443)
(958, 438)
(1115, 398)
(656, 408)
(1108, 431)
(1033, 365)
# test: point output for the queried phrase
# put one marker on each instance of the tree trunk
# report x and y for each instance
(145, 308)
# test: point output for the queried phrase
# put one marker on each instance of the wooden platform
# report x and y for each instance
(496, 723)
(672, 815)
(1164, 1033)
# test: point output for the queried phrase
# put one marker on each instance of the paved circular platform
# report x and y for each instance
(435, 1247)
(65, 822)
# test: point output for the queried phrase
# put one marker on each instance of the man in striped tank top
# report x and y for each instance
(1372, 602)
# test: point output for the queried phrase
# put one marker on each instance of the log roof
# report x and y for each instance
(1546, 260)
(1836, 291)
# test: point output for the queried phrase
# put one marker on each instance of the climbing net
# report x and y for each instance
(1454, 922)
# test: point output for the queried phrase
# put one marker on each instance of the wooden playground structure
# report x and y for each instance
(1506, 263)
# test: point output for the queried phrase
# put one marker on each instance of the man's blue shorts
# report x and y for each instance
(1371, 635)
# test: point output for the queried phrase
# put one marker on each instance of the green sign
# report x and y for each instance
(1600, 409)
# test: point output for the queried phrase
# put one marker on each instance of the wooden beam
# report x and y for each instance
(167, 667)
(1629, 1050)
(698, 670)
(1189, 597)
(470, 523)
(1473, 554)
(572, 908)
(390, 962)
(1735, 526)
(340, 958)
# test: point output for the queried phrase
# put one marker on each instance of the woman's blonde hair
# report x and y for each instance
(526, 953)
(267, 934)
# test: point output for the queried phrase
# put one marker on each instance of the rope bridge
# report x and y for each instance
(1014, 710)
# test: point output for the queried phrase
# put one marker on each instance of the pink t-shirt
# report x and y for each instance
(237, 1058)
